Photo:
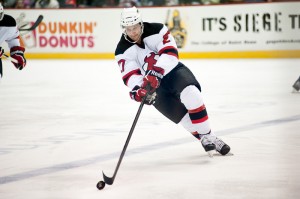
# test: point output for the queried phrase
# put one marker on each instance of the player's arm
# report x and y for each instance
(16, 50)
(131, 73)
(166, 60)
(167, 50)
(132, 77)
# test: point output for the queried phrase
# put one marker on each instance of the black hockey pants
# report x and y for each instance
(168, 94)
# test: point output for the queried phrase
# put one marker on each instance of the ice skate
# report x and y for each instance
(208, 144)
(221, 146)
(296, 86)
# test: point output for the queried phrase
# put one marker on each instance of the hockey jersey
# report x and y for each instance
(9, 31)
(158, 47)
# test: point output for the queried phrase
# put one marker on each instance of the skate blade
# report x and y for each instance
(210, 153)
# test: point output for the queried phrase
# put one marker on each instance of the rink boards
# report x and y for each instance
(262, 30)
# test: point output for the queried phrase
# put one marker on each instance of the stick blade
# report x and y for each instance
(36, 24)
(108, 180)
(38, 21)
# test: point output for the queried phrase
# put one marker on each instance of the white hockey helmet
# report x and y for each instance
(130, 17)
(1, 12)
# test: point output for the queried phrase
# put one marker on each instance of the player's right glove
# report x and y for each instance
(138, 93)
(1, 52)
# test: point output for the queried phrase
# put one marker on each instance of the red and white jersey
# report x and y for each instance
(158, 48)
(9, 31)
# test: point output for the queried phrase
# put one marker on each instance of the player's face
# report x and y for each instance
(134, 32)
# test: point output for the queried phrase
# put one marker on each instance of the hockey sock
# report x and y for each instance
(192, 99)
(198, 115)
(192, 128)
(196, 135)
(199, 136)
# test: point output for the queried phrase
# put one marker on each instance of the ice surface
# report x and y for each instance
(64, 121)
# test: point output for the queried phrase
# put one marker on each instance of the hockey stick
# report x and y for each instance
(10, 58)
(167, 18)
(110, 180)
(36, 23)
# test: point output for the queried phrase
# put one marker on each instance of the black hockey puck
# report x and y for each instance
(100, 185)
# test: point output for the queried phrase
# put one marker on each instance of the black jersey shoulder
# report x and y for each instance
(122, 46)
(151, 29)
(8, 21)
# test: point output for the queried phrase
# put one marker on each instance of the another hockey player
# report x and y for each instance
(147, 55)
(10, 33)
(296, 85)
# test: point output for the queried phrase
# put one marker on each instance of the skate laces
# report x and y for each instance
(207, 139)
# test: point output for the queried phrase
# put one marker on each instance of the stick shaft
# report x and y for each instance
(109, 180)
(10, 58)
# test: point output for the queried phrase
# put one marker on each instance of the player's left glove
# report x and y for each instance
(139, 93)
(153, 78)
(17, 52)
(1, 51)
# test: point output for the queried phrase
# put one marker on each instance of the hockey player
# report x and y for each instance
(296, 85)
(147, 55)
(10, 33)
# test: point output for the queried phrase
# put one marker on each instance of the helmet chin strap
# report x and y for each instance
(133, 42)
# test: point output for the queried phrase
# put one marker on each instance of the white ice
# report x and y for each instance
(63, 122)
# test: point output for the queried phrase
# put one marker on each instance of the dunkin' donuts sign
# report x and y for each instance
(61, 35)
